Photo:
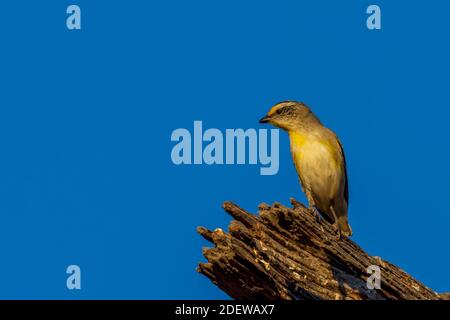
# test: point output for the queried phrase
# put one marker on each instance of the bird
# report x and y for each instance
(319, 160)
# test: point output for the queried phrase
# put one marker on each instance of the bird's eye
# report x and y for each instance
(278, 111)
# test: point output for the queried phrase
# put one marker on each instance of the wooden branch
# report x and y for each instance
(287, 253)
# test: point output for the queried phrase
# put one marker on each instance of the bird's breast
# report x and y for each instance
(317, 163)
(311, 148)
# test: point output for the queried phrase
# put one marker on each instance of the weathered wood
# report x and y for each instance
(287, 253)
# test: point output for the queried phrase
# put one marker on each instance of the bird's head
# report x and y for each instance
(289, 116)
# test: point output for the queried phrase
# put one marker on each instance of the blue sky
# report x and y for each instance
(86, 117)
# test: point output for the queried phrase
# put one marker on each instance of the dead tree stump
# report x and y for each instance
(287, 253)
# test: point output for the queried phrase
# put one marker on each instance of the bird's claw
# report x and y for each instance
(337, 230)
(319, 219)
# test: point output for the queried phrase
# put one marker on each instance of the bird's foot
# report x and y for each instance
(337, 230)
(318, 217)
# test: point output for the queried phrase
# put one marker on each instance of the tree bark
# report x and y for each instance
(288, 253)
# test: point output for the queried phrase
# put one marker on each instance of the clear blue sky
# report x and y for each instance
(86, 117)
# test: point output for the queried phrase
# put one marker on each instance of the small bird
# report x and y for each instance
(319, 160)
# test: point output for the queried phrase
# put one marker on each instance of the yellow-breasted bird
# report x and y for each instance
(319, 160)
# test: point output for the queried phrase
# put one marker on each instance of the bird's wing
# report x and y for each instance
(345, 170)
(341, 150)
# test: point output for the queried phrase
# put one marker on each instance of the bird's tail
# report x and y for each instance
(344, 227)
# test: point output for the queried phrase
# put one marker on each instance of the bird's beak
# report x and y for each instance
(264, 119)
